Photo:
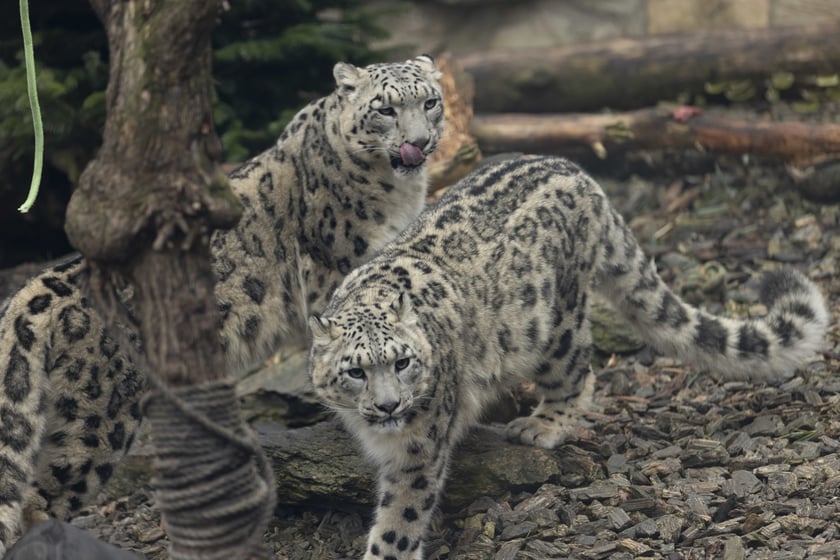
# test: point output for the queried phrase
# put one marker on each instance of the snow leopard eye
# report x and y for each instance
(430, 103)
(356, 373)
(401, 364)
(387, 111)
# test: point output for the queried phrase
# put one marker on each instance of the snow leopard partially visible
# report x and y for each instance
(347, 174)
(492, 285)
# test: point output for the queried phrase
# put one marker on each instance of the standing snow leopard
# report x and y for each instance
(347, 174)
(492, 285)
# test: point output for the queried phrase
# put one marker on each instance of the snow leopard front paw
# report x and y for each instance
(538, 431)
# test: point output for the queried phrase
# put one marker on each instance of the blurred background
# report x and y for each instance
(468, 26)
(273, 56)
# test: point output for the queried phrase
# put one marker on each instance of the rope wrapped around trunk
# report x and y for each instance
(214, 487)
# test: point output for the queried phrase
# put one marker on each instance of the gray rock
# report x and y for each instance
(54, 540)
(518, 530)
(743, 483)
(619, 519)
(669, 527)
(733, 548)
(765, 425)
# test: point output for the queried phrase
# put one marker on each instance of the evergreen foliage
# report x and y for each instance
(271, 57)
(70, 52)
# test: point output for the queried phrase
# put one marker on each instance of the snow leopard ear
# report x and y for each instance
(322, 330)
(427, 63)
(401, 307)
(347, 77)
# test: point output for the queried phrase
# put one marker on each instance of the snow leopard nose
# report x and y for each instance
(387, 407)
(422, 142)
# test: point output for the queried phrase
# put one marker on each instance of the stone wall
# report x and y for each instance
(465, 26)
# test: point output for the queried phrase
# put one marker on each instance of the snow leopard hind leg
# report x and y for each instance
(766, 349)
(565, 381)
(69, 402)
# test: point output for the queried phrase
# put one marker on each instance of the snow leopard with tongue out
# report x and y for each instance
(346, 175)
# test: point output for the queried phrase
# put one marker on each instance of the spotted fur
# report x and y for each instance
(329, 194)
(492, 285)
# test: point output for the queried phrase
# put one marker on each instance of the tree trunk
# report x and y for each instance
(637, 72)
(142, 217)
(580, 135)
(457, 153)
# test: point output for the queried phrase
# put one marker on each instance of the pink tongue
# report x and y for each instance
(411, 154)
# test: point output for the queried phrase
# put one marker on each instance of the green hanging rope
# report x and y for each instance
(32, 90)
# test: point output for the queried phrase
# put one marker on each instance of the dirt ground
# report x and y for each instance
(690, 467)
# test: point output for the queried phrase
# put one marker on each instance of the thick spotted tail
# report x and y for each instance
(769, 348)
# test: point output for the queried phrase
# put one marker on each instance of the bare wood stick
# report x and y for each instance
(574, 135)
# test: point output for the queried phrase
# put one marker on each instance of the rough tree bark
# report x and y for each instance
(637, 72)
(145, 207)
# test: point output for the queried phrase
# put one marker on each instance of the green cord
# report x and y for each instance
(32, 90)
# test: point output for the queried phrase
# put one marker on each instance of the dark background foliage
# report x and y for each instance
(271, 57)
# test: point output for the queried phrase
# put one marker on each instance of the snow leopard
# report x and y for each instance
(347, 174)
(492, 285)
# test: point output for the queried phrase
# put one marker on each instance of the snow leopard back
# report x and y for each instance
(347, 174)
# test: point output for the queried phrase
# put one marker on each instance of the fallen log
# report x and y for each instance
(636, 72)
(322, 466)
(580, 135)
